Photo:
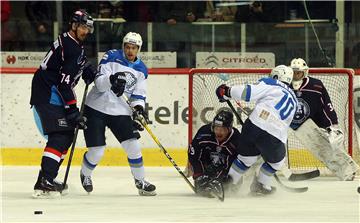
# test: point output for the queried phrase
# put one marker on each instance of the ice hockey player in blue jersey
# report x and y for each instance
(120, 72)
(315, 103)
(265, 132)
(54, 101)
(212, 151)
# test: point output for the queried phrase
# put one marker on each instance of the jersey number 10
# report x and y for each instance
(286, 105)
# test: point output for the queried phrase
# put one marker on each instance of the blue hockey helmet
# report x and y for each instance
(223, 118)
(82, 17)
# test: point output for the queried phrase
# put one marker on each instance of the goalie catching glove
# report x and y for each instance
(223, 93)
(118, 83)
(140, 117)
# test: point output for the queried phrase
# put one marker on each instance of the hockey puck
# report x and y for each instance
(38, 212)
(359, 190)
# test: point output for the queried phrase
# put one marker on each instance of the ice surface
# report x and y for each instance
(115, 199)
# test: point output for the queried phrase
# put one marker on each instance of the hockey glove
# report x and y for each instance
(201, 183)
(140, 116)
(89, 73)
(213, 171)
(73, 117)
(118, 83)
(207, 187)
(223, 93)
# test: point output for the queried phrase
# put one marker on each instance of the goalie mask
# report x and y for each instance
(301, 70)
(82, 17)
(282, 73)
(133, 38)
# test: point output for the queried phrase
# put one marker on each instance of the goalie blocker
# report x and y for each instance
(328, 148)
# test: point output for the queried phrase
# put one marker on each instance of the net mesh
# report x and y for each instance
(205, 105)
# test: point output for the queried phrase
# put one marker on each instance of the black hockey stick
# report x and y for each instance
(75, 136)
(290, 189)
(304, 176)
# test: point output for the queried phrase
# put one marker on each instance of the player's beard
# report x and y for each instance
(81, 37)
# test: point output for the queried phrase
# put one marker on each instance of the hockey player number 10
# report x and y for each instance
(286, 105)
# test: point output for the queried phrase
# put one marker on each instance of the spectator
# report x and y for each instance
(137, 15)
(109, 32)
(260, 11)
(39, 14)
(220, 13)
(5, 32)
(175, 34)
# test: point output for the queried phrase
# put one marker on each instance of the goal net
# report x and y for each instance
(203, 104)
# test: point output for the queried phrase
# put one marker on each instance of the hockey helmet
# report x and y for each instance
(223, 118)
(133, 38)
(298, 64)
(282, 73)
(82, 17)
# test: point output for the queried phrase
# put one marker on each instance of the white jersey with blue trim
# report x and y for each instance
(103, 99)
(275, 105)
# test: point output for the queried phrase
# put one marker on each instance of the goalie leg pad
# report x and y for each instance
(332, 155)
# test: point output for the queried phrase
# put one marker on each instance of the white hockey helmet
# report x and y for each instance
(133, 38)
(282, 73)
(298, 64)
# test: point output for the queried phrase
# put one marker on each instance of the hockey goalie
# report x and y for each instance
(316, 123)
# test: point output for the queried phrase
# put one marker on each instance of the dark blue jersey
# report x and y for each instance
(59, 72)
(205, 151)
(314, 102)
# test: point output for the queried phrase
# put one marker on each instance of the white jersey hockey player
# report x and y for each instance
(265, 132)
(120, 72)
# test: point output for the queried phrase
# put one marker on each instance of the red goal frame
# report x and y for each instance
(349, 72)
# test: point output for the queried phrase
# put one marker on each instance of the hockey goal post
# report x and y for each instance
(203, 103)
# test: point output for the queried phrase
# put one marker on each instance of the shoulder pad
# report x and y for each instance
(109, 56)
(142, 68)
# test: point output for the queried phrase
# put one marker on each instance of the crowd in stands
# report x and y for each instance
(171, 21)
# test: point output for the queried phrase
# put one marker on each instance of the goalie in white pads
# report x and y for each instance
(265, 132)
(315, 104)
(120, 72)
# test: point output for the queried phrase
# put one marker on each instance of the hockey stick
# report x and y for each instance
(287, 173)
(75, 136)
(145, 125)
(297, 190)
(290, 189)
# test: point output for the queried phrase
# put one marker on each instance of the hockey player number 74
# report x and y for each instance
(285, 105)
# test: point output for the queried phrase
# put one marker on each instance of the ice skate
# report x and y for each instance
(258, 189)
(230, 187)
(86, 182)
(145, 188)
(45, 189)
